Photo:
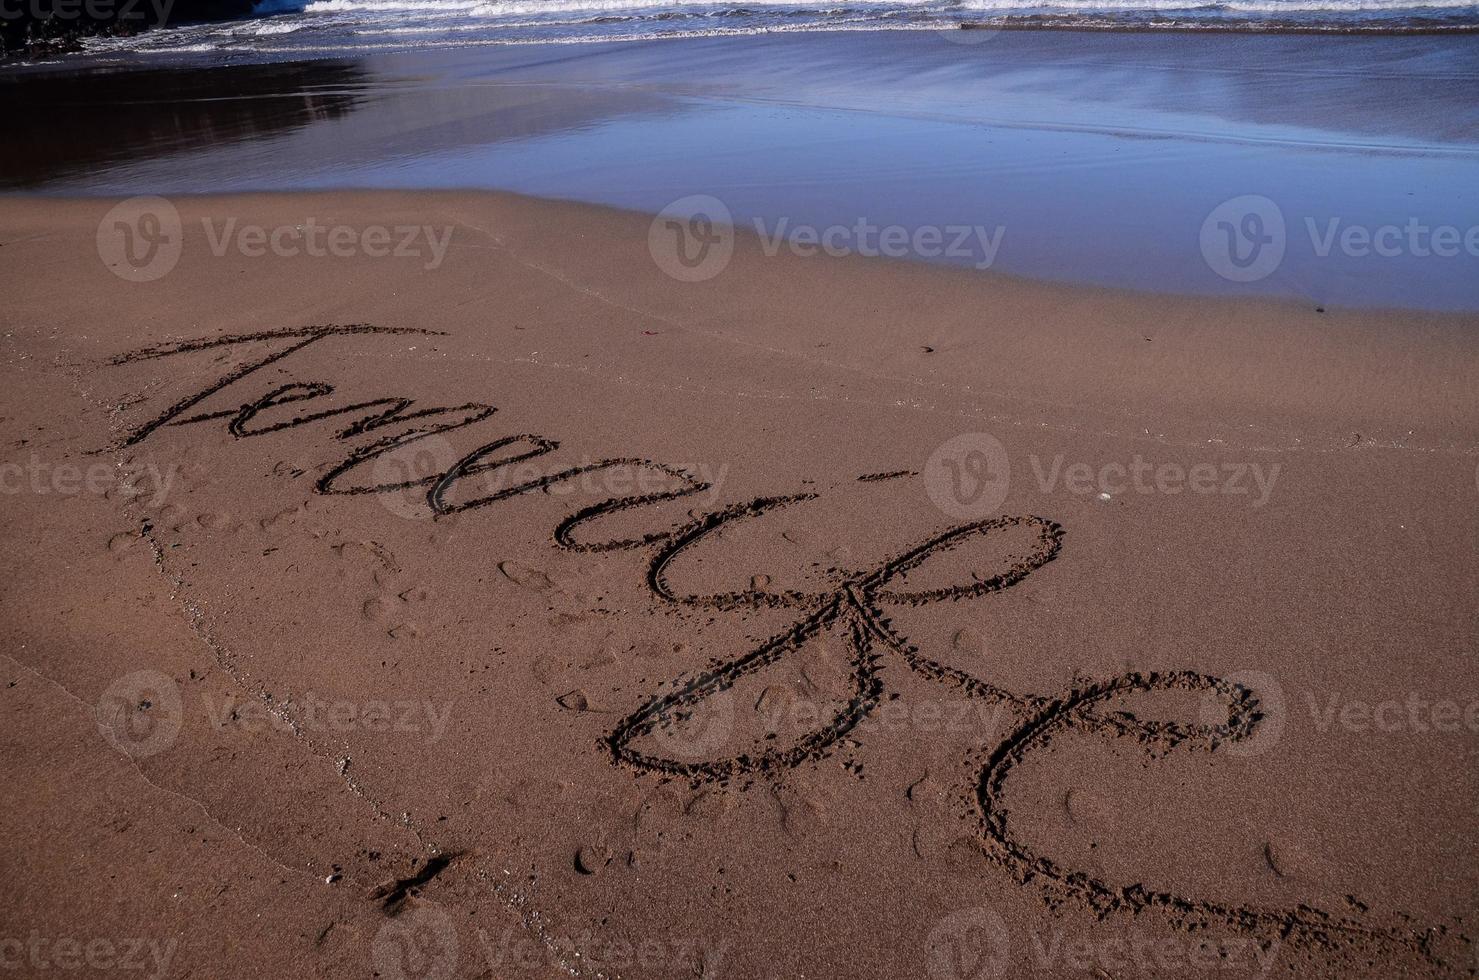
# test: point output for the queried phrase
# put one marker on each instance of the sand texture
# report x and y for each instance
(540, 614)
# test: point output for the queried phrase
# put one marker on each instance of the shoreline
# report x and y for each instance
(1176, 27)
(81, 60)
(73, 44)
(215, 204)
(216, 230)
(1103, 161)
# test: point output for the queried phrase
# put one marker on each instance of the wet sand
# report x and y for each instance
(1100, 156)
(538, 613)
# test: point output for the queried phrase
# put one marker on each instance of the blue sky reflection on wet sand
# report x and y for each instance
(1100, 156)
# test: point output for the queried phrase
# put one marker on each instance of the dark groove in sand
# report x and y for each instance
(855, 607)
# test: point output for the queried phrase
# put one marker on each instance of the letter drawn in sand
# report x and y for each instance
(855, 607)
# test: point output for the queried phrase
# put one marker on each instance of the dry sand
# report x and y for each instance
(788, 708)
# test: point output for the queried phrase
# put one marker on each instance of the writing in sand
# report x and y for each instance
(854, 607)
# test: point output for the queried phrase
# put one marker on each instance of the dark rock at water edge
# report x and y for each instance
(35, 28)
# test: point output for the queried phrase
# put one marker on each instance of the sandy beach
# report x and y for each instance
(463, 593)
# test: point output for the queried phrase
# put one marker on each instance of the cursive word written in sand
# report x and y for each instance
(854, 608)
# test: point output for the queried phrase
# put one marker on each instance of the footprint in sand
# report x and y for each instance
(603, 656)
(576, 701)
(821, 664)
(965, 855)
(774, 703)
(592, 858)
(799, 538)
(283, 518)
(367, 552)
(544, 668)
(923, 790)
(213, 520)
(803, 814)
(1284, 859)
(388, 608)
(932, 837)
(122, 542)
(1087, 809)
(709, 804)
(658, 809)
(652, 650)
(529, 578)
(932, 840)
(969, 641)
(376, 609)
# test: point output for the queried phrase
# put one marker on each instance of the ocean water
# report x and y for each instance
(298, 28)
(1103, 157)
